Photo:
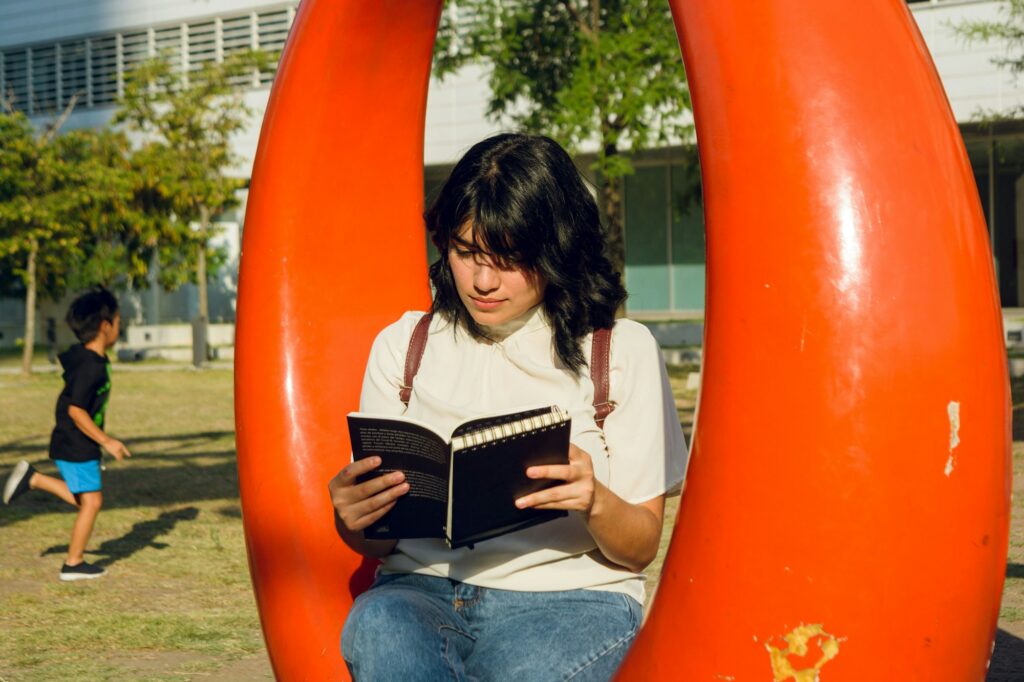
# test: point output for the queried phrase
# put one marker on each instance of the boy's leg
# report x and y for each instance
(88, 509)
(52, 485)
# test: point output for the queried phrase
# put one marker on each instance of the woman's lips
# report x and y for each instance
(487, 303)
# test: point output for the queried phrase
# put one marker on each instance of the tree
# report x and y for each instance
(1009, 30)
(67, 215)
(578, 70)
(187, 120)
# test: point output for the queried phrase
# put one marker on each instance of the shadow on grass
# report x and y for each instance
(35, 444)
(1007, 659)
(1015, 571)
(135, 483)
(141, 536)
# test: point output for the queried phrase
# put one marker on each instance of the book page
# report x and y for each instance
(422, 456)
(405, 442)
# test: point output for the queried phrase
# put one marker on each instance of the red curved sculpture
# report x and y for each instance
(849, 480)
(847, 507)
(333, 251)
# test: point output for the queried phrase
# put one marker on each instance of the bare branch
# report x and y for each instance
(56, 124)
(7, 100)
(574, 12)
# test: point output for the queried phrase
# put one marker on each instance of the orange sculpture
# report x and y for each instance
(847, 505)
(333, 251)
(847, 508)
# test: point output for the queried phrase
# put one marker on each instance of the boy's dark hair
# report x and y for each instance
(87, 312)
(529, 209)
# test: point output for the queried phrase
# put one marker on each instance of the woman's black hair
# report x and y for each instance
(87, 312)
(529, 208)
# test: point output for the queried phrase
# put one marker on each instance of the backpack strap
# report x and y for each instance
(599, 366)
(600, 352)
(417, 344)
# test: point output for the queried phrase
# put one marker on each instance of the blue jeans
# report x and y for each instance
(411, 628)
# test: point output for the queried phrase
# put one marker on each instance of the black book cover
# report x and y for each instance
(468, 496)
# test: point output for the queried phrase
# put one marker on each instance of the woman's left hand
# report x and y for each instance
(576, 494)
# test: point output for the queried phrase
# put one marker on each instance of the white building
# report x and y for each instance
(52, 49)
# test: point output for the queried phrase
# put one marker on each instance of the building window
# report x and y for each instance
(42, 78)
(664, 226)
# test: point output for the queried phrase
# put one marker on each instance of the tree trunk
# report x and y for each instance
(204, 231)
(611, 208)
(30, 310)
(200, 351)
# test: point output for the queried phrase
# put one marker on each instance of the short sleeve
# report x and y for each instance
(385, 369)
(646, 446)
(84, 382)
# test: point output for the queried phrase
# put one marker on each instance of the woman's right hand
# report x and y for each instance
(360, 504)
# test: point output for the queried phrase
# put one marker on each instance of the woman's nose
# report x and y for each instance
(485, 278)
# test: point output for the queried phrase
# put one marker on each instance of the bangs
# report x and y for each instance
(501, 230)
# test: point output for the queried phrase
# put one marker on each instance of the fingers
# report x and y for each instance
(561, 472)
(350, 473)
(570, 497)
(360, 504)
(361, 514)
(378, 484)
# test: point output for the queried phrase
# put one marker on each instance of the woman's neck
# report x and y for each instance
(500, 332)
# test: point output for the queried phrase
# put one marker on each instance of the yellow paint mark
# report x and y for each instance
(796, 645)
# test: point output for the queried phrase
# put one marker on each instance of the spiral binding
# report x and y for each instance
(510, 430)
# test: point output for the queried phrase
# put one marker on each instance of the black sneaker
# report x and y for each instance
(17, 482)
(82, 571)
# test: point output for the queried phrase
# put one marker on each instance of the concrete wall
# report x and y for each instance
(24, 22)
(972, 82)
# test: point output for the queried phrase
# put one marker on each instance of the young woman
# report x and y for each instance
(521, 284)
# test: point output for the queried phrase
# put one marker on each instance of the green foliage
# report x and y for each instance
(186, 122)
(69, 197)
(576, 70)
(579, 71)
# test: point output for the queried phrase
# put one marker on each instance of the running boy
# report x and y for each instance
(78, 435)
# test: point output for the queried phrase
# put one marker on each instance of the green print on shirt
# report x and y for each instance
(100, 415)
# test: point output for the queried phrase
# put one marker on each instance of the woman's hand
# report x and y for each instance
(360, 504)
(579, 491)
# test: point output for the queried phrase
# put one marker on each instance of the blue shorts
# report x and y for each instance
(81, 477)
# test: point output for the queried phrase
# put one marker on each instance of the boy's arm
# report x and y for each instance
(87, 426)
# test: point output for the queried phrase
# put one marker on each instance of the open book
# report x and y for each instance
(463, 490)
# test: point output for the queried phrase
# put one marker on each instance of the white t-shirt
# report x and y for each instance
(640, 455)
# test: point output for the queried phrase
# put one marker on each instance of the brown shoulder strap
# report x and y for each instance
(599, 368)
(417, 344)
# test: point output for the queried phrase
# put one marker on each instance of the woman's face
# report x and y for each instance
(492, 295)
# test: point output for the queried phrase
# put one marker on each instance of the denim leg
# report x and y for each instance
(404, 629)
(579, 635)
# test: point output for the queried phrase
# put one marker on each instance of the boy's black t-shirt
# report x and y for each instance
(86, 385)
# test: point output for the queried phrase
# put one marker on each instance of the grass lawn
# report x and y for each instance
(177, 604)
